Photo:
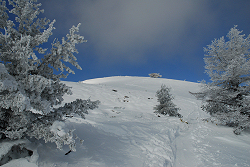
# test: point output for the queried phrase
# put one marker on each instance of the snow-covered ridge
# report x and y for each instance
(151, 84)
(125, 132)
(125, 78)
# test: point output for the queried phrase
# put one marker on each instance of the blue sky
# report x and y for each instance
(138, 37)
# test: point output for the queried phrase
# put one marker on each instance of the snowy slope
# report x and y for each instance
(125, 132)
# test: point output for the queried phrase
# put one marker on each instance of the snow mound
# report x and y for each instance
(125, 132)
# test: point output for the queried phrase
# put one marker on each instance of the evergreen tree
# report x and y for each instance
(29, 89)
(228, 65)
(166, 106)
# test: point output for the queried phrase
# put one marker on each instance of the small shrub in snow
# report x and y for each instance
(29, 89)
(166, 106)
(155, 75)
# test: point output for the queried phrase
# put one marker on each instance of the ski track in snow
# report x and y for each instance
(202, 148)
(124, 131)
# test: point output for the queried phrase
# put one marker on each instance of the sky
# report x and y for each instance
(138, 37)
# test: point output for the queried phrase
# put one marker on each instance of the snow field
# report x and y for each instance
(125, 132)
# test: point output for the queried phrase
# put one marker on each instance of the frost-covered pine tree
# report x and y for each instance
(29, 89)
(228, 65)
(166, 106)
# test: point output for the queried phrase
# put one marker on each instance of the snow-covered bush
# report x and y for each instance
(166, 106)
(155, 75)
(29, 89)
(228, 65)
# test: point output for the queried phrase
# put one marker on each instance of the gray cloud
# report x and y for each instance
(134, 30)
(129, 29)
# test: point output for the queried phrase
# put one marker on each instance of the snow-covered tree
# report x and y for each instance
(29, 89)
(155, 75)
(166, 106)
(228, 65)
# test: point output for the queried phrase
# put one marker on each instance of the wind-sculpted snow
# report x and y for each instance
(125, 132)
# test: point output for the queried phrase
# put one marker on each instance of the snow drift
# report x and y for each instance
(125, 131)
